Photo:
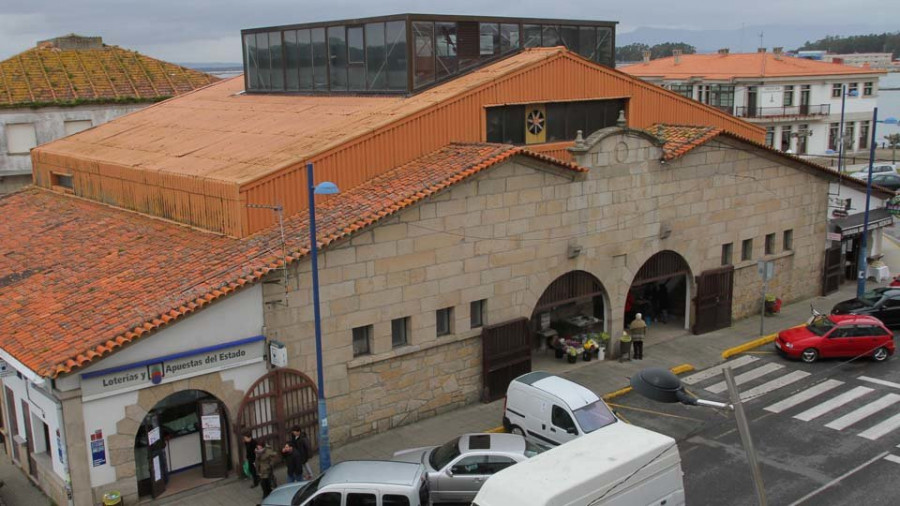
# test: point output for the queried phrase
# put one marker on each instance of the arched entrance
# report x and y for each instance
(274, 404)
(661, 292)
(573, 307)
(182, 443)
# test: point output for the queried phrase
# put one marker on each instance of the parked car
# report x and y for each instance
(380, 482)
(458, 468)
(879, 169)
(889, 181)
(549, 410)
(837, 336)
(882, 303)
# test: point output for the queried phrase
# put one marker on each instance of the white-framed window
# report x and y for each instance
(868, 88)
(20, 138)
(836, 90)
(76, 125)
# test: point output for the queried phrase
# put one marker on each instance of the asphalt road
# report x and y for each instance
(825, 433)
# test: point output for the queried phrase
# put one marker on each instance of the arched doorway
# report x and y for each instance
(661, 292)
(574, 306)
(277, 402)
(182, 443)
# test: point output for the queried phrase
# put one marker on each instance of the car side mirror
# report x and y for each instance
(449, 472)
(572, 430)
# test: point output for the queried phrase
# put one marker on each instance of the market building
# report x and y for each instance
(71, 83)
(163, 303)
(797, 100)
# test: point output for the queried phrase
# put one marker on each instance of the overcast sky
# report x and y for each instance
(209, 31)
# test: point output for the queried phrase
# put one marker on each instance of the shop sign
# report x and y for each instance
(98, 448)
(834, 236)
(893, 206)
(97, 384)
(152, 436)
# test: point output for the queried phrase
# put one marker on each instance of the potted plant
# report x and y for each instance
(572, 354)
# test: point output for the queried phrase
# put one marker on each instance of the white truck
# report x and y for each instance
(620, 465)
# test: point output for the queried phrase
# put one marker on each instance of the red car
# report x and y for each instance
(837, 336)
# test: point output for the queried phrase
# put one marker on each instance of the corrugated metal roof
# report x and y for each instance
(738, 65)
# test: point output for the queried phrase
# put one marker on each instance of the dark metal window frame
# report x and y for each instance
(400, 332)
(444, 321)
(363, 334)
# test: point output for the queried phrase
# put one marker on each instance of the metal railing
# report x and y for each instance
(787, 110)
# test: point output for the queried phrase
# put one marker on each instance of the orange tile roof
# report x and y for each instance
(678, 140)
(46, 76)
(740, 65)
(89, 278)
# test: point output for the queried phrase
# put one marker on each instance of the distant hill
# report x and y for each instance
(212, 66)
(746, 40)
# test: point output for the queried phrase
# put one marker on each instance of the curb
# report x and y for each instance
(678, 369)
(749, 345)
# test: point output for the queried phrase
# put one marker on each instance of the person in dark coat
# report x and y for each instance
(294, 461)
(250, 452)
(301, 444)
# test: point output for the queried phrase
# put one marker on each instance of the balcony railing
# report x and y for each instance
(784, 111)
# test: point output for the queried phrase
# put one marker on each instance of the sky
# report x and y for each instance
(209, 31)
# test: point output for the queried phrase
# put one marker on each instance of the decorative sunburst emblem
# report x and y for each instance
(535, 122)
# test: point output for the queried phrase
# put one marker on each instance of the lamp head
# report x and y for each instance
(890, 120)
(326, 188)
(660, 385)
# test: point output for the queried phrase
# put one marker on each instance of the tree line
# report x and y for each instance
(873, 43)
(635, 52)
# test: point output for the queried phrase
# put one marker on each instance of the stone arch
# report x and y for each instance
(121, 444)
(661, 267)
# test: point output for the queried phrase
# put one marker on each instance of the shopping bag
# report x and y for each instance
(247, 471)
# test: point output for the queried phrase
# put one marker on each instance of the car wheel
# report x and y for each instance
(809, 355)
(517, 431)
(880, 355)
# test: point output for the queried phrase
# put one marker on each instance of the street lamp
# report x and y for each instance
(324, 188)
(862, 261)
(844, 95)
(662, 385)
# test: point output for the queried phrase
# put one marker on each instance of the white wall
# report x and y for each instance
(50, 125)
(43, 408)
(103, 414)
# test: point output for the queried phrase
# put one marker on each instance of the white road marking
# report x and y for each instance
(767, 387)
(882, 428)
(863, 412)
(804, 396)
(838, 479)
(893, 458)
(747, 376)
(879, 382)
(715, 371)
(833, 404)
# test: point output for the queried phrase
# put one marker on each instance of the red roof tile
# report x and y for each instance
(740, 65)
(89, 278)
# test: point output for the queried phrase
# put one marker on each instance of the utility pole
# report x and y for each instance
(744, 431)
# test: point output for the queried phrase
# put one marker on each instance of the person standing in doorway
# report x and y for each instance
(301, 445)
(250, 452)
(638, 330)
(624, 346)
(266, 458)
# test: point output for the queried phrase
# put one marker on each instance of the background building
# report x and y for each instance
(68, 84)
(797, 100)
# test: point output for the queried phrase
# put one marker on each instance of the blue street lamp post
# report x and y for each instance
(844, 95)
(863, 253)
(325, 188)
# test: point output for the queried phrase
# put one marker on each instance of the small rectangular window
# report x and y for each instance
(20, 138)
(747, 249)
(444, 321)
(788, 96)
(836, 90)
(853, 90)
(476, 313)
(66, 181)
(727, 253)
(867, 88)
(770, 136)
(788, 240)
(362, 340)
(359, 499)
(770, 244)
(400, 332)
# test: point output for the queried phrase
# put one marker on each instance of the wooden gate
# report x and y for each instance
(713, 302)
(505, 354)
(833, 271)
(275, 403)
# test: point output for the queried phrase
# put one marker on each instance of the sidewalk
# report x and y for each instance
(602, 377)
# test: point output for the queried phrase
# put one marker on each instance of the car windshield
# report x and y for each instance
(532, 449)
(820, 325)
(593, 416)
(872, 297)
(306, 492)
(442, 455)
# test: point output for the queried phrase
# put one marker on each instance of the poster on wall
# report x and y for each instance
(98, 448)
(212, 434)
(153, 436)
(210, 422)
(157, 472)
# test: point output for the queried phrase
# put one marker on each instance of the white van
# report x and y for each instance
(549, 410)
(621, 465)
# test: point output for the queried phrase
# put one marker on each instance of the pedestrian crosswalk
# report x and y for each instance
(871, 411)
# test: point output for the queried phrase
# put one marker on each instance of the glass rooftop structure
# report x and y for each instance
(403, 53)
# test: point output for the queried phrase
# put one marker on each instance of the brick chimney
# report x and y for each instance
(761, 50)
(676, 53)
(646, 55)
(723, 51)
(779, 51)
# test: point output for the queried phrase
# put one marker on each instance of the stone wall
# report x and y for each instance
(503, 236)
